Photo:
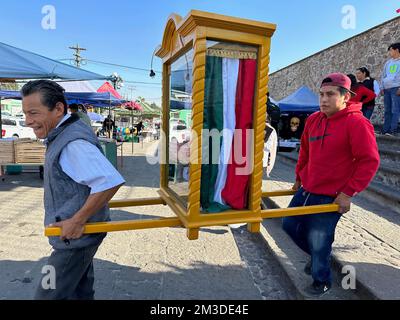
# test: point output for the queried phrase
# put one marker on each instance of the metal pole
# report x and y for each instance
(115, 88)
(109, 113)
(132, 127)
(1, 127)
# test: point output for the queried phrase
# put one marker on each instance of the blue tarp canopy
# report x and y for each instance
(6, 94)
(17, 63)
(96, 99)
(95, 116)
(302, 100)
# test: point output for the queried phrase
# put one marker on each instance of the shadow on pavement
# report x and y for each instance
(133, 172)
(138, 281)
(9, 182)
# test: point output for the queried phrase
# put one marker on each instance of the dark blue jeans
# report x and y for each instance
(392, 110)
(313, 233)
(74, 276)
(367, 112)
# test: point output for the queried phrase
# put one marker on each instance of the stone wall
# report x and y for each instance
(367, 49)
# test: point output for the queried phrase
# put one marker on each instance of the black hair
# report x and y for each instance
(50, 93)
(82, 108)
(365, 71)
(353, 79)
(73, 106)
(342, 91)
(395, 46)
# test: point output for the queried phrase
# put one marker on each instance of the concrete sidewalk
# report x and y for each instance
(367, 238)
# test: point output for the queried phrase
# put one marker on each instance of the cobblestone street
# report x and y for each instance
(144, 264)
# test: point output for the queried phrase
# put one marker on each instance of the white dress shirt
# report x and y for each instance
(270, 150)
(85, 164)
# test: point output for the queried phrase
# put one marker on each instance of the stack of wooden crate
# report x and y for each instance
(29, 151)
(7, 151)
(21, 151)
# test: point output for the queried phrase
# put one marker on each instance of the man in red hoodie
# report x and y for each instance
(338, 159)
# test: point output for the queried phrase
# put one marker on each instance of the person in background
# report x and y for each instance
(270, 147)
(391, 90)
(362, 94)
(364, 77)
(108, 126)
(139, 128)
(338, 159)
(74, 108)
(274, 112)
(82, 108)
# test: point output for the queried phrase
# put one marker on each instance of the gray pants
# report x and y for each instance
(74, 276)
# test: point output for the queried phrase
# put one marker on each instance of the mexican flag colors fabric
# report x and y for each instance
(228, 120)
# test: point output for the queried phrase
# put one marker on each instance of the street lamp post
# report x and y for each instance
(117, 82)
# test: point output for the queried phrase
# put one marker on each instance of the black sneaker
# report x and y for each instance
(307, 268)
(318, 289)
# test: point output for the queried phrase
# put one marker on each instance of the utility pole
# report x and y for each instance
(131, 88)
(77, 55)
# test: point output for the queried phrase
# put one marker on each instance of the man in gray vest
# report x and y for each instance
(78, 184)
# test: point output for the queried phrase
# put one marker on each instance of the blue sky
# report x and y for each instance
(126, 32)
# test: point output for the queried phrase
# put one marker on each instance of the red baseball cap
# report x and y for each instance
(337, 80)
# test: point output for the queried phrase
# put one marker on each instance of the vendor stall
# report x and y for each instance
(295, 109)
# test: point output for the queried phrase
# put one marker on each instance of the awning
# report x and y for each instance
(7, 94)
(107, 87)
(132, 105)
(17, 63)
(94, 98)
(76, 86)
(302, 100)
(95, 116)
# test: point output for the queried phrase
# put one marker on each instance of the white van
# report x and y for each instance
(12, 127)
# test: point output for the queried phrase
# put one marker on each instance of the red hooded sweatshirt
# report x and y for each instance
(337, 154)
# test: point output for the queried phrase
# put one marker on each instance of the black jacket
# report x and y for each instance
(369, 83)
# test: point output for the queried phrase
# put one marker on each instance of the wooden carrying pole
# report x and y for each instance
(176, 222)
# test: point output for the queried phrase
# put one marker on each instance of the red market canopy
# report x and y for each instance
(132, 105)
(107, 87)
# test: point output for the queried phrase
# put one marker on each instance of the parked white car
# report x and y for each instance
(12, 127)
(96, 126)
(179, 132)
(6, 114)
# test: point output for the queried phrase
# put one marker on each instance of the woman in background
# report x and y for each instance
(363, 95)
(363, 76)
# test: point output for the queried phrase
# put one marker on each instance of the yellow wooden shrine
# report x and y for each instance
(185, 44)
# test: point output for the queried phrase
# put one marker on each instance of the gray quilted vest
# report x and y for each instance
(63, 197)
